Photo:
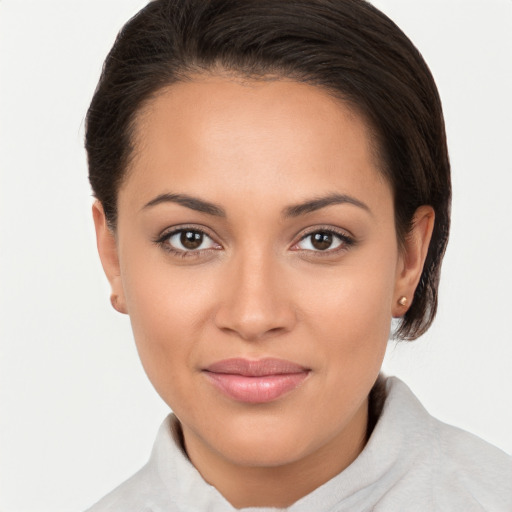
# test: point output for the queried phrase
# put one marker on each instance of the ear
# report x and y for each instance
(412, 259)
(107, 249)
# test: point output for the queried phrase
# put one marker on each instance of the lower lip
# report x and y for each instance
(256, 390)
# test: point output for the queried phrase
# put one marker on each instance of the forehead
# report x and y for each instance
(276, 138)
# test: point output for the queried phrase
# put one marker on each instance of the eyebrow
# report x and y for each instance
(188, 201)
(296, 210)
(322, 202)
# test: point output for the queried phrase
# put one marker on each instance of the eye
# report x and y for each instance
(187, 240)
(323, 241)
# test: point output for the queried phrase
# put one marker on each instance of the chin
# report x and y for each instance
(263, 440)
(278, 451)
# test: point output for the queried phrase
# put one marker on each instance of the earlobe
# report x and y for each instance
(107, 250)
(412, 259)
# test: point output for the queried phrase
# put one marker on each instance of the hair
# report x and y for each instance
(347, 47)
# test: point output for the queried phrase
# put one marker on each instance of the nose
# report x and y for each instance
(255, 301)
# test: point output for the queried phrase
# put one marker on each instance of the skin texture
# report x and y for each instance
(257, 287)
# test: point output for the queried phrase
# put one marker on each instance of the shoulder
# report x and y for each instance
(153, 487)
(462, 469)
(134, 495)
(469, 466)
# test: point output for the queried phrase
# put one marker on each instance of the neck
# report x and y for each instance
(250, 485)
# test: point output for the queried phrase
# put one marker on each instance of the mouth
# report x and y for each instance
(255, 382)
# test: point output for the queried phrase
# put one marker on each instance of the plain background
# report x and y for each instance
(77, 413)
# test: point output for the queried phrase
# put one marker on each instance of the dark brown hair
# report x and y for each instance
(347, 47)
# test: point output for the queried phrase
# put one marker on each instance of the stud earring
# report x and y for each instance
(402, 301)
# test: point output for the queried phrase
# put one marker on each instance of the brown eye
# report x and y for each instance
(324, 241)
(191, 239)
(188, 240)
(321, 240)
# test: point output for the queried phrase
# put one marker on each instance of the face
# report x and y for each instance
(257, 257)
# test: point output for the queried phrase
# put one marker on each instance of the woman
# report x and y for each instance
(273, 188)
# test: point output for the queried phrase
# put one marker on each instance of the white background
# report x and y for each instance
(77, 413)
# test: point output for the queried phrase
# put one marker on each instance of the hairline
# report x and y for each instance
(245, 78)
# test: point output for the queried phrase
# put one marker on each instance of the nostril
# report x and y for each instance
(253, 327)
(253, 308)
(276, 330)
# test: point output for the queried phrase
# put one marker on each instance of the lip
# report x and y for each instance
(254, 382)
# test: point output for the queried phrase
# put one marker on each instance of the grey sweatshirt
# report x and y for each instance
(412, 463)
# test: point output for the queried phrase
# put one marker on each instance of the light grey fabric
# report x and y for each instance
(412, 462)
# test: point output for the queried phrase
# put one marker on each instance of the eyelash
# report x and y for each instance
(346, 242)
(163, 241)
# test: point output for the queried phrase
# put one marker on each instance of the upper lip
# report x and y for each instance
(256, 368)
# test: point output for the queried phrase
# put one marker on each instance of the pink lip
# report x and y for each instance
(255, 382)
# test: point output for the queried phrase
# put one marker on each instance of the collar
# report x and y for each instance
(391, 451)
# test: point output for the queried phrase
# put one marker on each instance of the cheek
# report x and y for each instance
(349, 314)
(353, 335)
(168, 308)
(160, 293)
(353, 301)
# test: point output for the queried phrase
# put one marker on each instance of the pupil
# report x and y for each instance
(191, 239)
(322, 241)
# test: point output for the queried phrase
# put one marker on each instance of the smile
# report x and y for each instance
(255, 381)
